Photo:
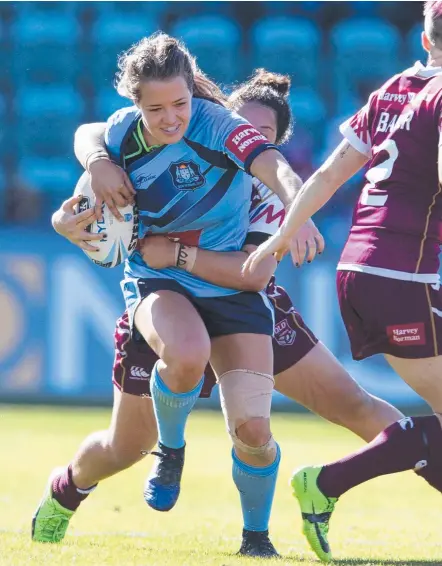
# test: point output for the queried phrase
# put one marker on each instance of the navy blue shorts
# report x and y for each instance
(240, 313)
(134, 359)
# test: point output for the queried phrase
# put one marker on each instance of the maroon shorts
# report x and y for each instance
(134, 359)
(389, 316)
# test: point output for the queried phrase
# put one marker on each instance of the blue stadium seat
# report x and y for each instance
(112, 34)
(56, 175)
(47, 8)
(308, 109)
(3, 184)
(2, 106)
(106, 102)
(4, 131)
(287, 45)
(414, 44)
(46, 46)
(47, 118)
(363, 9)
(6, 60)
(216, 43)
(366, 53)
(142, 10)
(2, 181)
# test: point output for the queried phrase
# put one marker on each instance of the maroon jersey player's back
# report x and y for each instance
(397, 222)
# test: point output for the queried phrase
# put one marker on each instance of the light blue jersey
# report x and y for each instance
(196, 191)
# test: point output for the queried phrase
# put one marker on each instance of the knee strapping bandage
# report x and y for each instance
(246, 395)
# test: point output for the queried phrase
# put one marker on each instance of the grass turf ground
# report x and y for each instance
(390, 521)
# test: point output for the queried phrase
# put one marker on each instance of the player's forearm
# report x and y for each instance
(272, 169)
(342, 164)
(312, 196)
(89, 143)
(220, 268)
(224, 269)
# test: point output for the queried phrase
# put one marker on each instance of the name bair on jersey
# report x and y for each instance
(397, 222)
(196, 191)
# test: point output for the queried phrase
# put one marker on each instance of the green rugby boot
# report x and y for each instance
(316, 509)
(51, 520)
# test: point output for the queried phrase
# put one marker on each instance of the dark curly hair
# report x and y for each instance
(270, 90)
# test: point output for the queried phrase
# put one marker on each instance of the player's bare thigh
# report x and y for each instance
(242, 351)
(173, 328)
(424, 375)
(320, 383)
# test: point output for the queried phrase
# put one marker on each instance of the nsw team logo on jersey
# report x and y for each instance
(186, 175)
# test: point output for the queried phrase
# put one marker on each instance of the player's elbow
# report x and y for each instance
(55, 221)
(80, 132)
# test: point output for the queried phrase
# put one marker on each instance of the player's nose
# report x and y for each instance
(170, 117)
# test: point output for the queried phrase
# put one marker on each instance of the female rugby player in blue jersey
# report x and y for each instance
(190, 175)
(304, 369)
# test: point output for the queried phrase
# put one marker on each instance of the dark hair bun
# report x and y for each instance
(280, 83)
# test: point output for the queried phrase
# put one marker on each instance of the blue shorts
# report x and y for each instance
(243, 312)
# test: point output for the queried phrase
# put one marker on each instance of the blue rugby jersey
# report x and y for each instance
(196, 191)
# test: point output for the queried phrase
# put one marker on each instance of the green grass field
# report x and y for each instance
(390, 521)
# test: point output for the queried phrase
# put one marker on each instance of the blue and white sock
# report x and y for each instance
(171, 410)
(257, 489)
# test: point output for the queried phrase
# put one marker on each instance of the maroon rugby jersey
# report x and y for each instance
(397, 222)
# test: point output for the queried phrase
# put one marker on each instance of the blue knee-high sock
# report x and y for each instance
(257, 489)
(171, 410)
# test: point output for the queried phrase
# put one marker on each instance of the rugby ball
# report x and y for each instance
(122, 237)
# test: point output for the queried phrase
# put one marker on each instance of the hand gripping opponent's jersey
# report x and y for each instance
(397, 222)
(196, 191)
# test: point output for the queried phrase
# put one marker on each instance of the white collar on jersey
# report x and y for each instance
(420, 70)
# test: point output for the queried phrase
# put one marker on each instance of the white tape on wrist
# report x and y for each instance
(185, 257)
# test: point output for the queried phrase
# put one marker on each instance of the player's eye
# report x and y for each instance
(181, 104)
(153, 109)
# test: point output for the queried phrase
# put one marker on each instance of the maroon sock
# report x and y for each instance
(410, 443)
(432, 472)
(432, 475)
(67, 493)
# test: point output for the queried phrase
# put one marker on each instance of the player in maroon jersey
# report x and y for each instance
(387, 280)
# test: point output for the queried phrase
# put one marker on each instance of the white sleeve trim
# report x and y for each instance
(350, 135)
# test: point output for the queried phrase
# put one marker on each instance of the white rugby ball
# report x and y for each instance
(122, 237)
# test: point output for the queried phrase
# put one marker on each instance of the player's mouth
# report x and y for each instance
(171, 130)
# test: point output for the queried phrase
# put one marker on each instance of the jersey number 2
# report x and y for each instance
(379, 173)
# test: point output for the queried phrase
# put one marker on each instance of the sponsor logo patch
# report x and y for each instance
(243, 140)
(138, 373)
(412, 334)
(186, 175)
(284, 334)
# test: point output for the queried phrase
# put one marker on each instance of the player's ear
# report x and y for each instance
(426, 44)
